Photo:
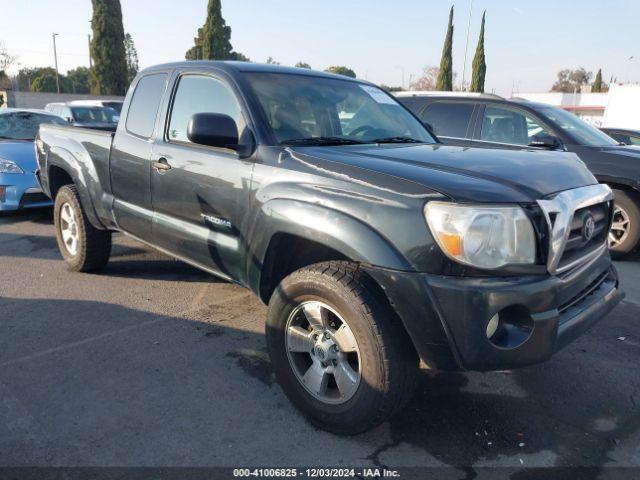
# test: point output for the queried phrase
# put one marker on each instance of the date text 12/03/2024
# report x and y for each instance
(316, 472)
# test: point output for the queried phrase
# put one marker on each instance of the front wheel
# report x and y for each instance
(338, 351)
(625, 228)
(83, 247)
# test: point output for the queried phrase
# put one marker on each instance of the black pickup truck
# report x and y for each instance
(373, 245)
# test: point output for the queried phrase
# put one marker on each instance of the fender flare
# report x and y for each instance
(619, 181)
(82, 175)
(334, 229)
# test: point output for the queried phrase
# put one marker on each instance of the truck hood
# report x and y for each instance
(466, 174)
(21, 152)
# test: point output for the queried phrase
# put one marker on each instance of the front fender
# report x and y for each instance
(84, 177)
(341, 232)
(627, 182)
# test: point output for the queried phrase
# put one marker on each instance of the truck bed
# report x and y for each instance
(86, 153)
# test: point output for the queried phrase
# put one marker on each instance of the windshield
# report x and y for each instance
(94, 115)
(117, 106)
(308, 110)
(25, 125)
(580, 131)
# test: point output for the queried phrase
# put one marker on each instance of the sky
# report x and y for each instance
(390, 42)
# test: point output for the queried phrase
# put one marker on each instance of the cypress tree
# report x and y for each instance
(445, 76)
(109, 73)
(214, 38)
(597, 83)
(479, 65)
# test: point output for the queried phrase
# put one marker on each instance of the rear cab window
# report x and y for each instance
(449, 119)
(145, 103)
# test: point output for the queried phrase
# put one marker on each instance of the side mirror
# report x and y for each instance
(213, 130)
(545, 141)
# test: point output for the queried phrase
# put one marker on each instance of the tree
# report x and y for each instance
(479, 64)
(597, 83)
(340, 70)
(427, 81)
(5, 84)
(445, 76)
(6, 59)
(109, 73)
(303, 65)
(241, 57)
(80, 80)
(391, 89)
(45, 81)
(214, 38)
(570, 81)
(272, 61)
(131, 54)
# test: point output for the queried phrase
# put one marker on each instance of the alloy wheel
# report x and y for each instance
(323, 352)
(620, 227)
(69, 228)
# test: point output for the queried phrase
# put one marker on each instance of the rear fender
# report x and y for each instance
(84, 177)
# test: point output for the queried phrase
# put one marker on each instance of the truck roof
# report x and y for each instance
(234, 67)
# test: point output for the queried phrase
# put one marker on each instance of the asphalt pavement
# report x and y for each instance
(154, 363)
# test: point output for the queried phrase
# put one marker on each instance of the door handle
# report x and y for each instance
(161, 165)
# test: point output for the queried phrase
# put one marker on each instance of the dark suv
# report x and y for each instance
(482, 120)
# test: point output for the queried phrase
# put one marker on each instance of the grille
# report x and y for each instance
(578, 222)
(577, 245)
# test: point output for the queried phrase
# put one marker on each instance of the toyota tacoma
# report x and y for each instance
(374, 246)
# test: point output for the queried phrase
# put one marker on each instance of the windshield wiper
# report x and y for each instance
(4, 137)
(321, 141)
(396, 140)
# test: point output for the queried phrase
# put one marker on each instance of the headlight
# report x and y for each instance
(482, 236)
(7, 166)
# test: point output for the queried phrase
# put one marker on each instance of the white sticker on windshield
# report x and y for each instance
(378, 95)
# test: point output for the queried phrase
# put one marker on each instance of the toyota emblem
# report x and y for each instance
(588, 227)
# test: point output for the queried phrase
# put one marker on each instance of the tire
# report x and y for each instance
(625, 238)
(83, 247)
(384, 360)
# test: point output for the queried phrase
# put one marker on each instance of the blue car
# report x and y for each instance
(19, 187)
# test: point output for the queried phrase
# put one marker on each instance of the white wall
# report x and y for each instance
(623, 108)
(39, 100)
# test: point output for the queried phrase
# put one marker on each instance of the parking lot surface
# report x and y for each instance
(154, 363)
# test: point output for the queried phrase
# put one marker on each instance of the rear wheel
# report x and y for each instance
(83, 247)
(625, 228)
(339, 352)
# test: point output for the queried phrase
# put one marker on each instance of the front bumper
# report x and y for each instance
(18, 191)
(447, 317)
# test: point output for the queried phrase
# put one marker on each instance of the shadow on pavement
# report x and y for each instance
(36, 215)
(110, 385)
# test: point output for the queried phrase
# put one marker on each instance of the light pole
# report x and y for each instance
(628, 65)
(55, 57)
(401, 70)
(466, 46)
